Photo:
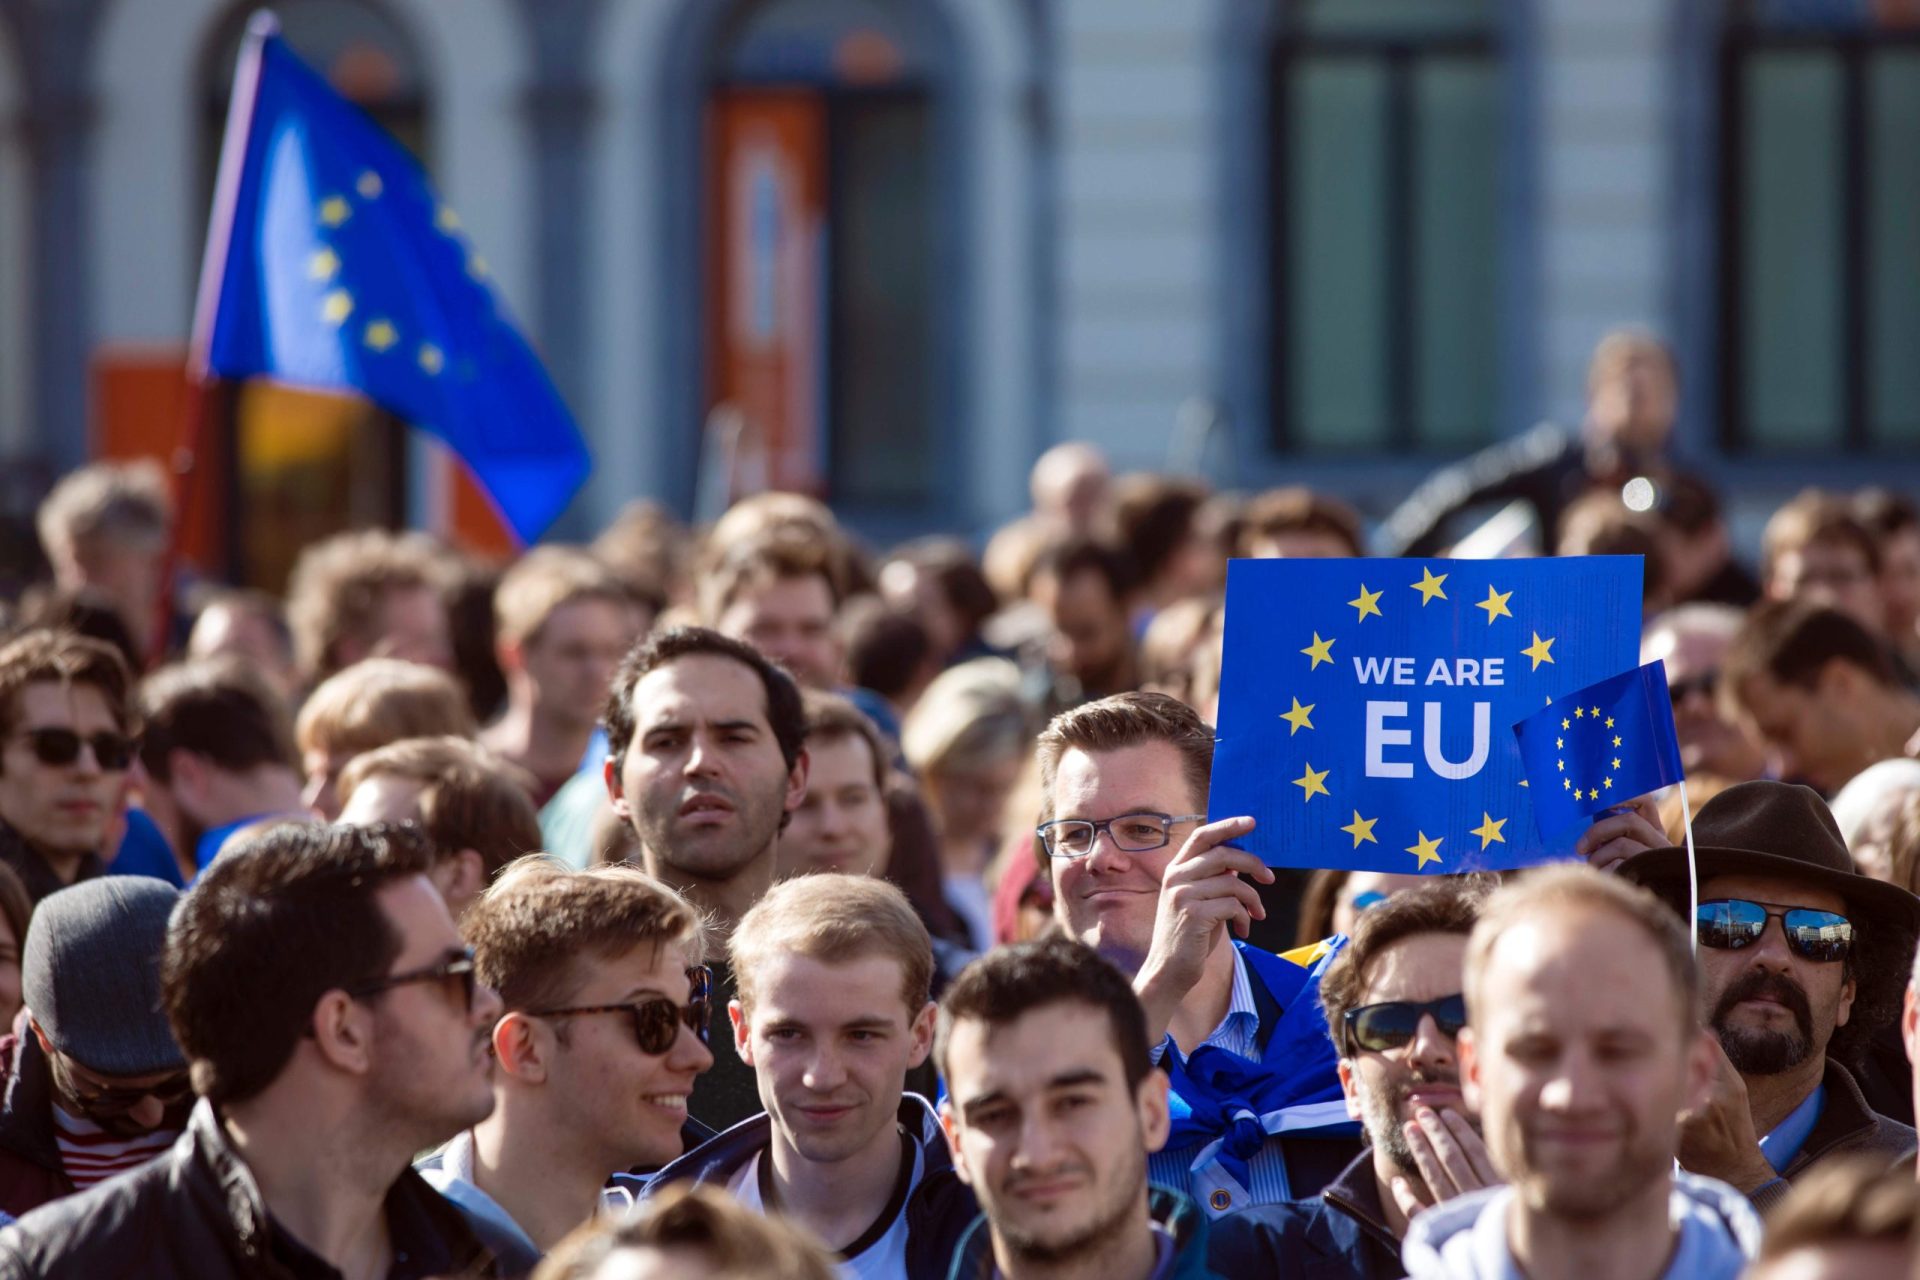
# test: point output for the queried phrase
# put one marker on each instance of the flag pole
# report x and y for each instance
(197, 417)
(1693, 872)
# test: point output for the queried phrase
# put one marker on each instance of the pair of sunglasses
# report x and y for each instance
(657, 1020)
(1728, 924)
(58, 747)
(170, 1093)
(1392, 1024)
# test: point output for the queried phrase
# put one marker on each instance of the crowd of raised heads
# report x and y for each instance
(752, 902)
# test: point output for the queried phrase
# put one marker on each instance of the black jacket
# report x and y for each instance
(196, 1213)
(939, 1211)
(1340, 1234)
(1546, 468)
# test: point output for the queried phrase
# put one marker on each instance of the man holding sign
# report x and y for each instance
(1141, 877)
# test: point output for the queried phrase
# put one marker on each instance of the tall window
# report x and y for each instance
(823, 244)
(1820, 225)
(1386, 242)
(303, 465)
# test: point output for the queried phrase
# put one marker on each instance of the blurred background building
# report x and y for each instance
(910, 243)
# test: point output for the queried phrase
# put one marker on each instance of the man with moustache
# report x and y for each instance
(1394, 1005)
(706, 760)
(1801, 962)
(1583, 1044)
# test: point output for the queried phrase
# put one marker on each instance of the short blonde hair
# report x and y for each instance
(733, 1241)
(543, 581)
(108, 500)
(339, 586)
(378, 701)
(970, 717)
(834, 918)
(538, 929)
(1580, 886)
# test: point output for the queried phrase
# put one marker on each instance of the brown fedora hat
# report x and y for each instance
(1784, 830)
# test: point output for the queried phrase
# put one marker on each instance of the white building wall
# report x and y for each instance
(16, 229)
(1605, 151)
(149, 225)
(1137, 221)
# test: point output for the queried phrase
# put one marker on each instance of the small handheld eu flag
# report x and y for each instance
(1599, 747)
(332, 264)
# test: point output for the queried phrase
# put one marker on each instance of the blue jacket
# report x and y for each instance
(1340, 1234)
(1179, 1216)
(938, 1212)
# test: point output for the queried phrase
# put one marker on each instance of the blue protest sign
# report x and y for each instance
(1366, 706)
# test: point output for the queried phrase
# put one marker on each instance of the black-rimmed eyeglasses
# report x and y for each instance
(458, 966)
(1130, 833)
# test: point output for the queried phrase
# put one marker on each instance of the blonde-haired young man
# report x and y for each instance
(834, 973)
(605, 1029)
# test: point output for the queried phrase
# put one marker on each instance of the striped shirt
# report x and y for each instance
(1238, 1033)
(89, 1155)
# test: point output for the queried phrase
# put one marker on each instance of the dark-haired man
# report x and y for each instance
(1822, 690)
(1084, 587)
(66, 742)
(1394, 1006)
(707, 758)
(1052, 1106)
(328, 1011)
(1802, 961)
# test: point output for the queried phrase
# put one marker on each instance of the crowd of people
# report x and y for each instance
(742, 903)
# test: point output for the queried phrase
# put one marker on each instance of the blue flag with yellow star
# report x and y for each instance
(1365, 705)
(343, 271)
(1598, 746)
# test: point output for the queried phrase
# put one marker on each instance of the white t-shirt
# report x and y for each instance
(883, 1258)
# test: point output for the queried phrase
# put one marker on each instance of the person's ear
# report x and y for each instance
(1909, 1024)
(521, 1046)
(1703, 1065)
(187, 771)
(460, 877)
(342, 1030)
(950, 1125)
(1469, 1071)
(742, 1031)
(1345, 1069)
(920, 1034)
(1838, 678)
(1849, 988)
(1156, 1121)
(615, 796)
(511, 656)
(797, 781)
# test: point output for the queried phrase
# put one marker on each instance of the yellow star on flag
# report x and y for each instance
(476, 266)
(1368, 603)
(1616, 762)
(323, 265)
(1560, 742)
(381, 334)
(1565, 723)
(1607, 783)
(336, 306)
(334, 210)
(432, 359)
(446, 219)
(1312, 783)
(369, 185)
(1361, 829)
(1496, 604)
(1298, 717)
(1616, 742)
(1320, 651)
(1540, 650)
(1609, 722)
(1595, 713)
(1565, 783)
(1489, 830)
(1429, 587)
(1579, 713)
(1426, 850)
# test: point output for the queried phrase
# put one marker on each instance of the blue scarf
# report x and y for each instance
(1232, 1104)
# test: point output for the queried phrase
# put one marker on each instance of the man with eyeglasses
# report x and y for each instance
(317, 988)
(1802, 960)
(1140, 876)
(1394, 1006)
(95, 1083)
(65, 722)
(606, 1021)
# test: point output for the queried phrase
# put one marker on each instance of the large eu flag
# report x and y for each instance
(1366, 706)
(332, 264)
(1595, 747)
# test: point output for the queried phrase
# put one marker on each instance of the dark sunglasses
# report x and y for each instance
(1702, 684)
(56, 747)
(458, 966)
(1728, 924)
(657, 1020)
(99, 1102)
(1392, 1024)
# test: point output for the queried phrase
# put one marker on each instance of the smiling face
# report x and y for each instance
(1578, 1063)
(63, 809)
(831, 1045)
(1046, 1131)
(1109, 898)
(609, 1095)
(703, 782)
(1383, 1088)
(1772, 1009)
